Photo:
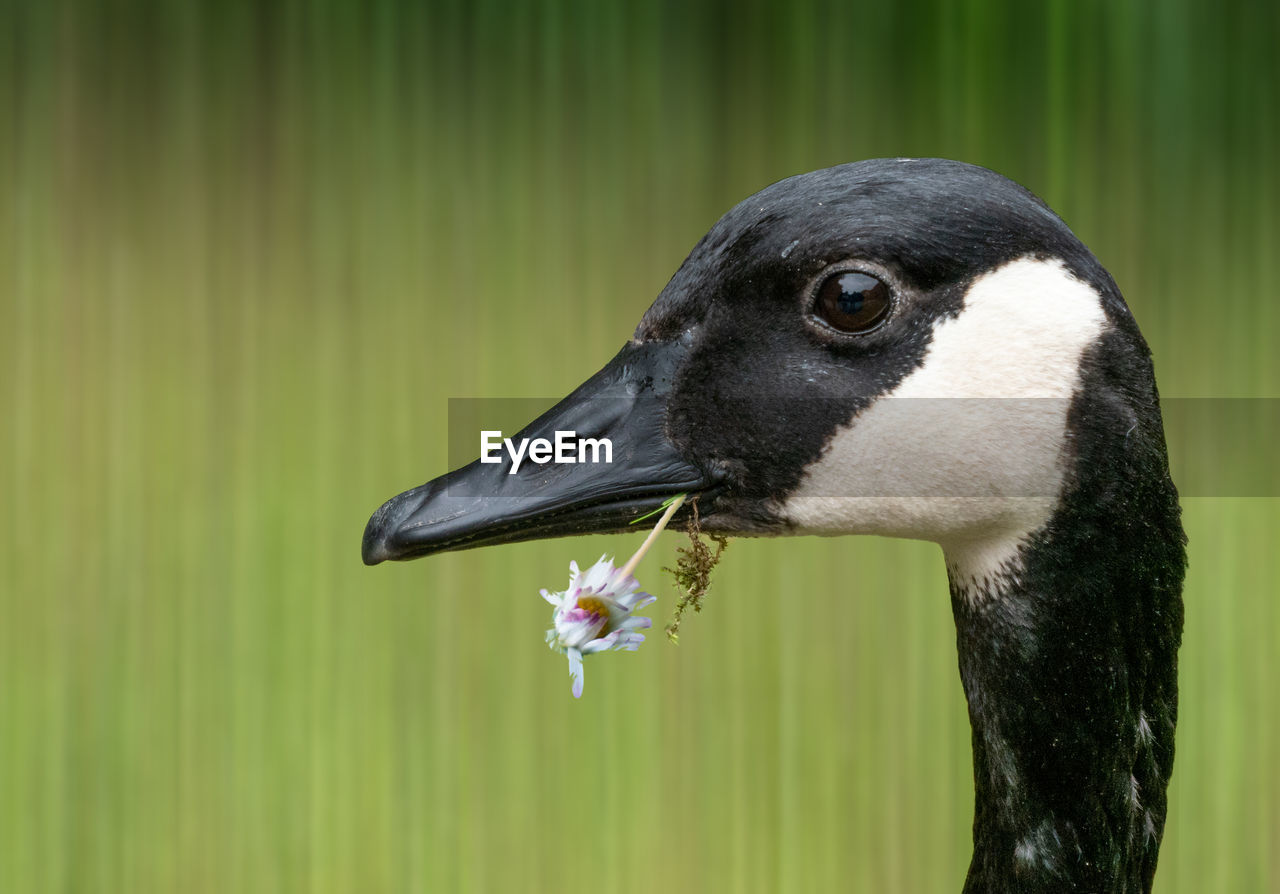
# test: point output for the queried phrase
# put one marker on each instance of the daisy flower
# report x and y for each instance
(596, 612)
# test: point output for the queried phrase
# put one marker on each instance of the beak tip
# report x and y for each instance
(375, 545)
(374, 554)
(373, 548)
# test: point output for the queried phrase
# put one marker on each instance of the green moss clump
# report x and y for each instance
(693, 572)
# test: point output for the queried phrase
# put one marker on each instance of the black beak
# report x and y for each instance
(486, 503)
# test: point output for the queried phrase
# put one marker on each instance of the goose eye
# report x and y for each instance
(852, 302)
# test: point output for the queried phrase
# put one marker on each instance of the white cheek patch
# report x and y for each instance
(968, 450)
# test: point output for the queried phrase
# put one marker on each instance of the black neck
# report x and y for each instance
(1069, 665)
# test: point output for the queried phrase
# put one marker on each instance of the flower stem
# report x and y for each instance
(653, 535)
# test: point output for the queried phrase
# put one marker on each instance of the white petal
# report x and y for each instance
(636, 601)
(621, 586)
(629, 641)
(575, 671)
(636, 623)
(553, 598)
(578, 633)
(598, 575)
(602, 644)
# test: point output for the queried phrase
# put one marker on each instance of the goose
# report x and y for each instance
(913, 348)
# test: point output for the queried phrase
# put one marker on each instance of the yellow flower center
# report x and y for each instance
(597, 607)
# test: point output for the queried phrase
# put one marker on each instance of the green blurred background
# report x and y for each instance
(248, 251)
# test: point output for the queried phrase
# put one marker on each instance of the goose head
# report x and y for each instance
(914, 348)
